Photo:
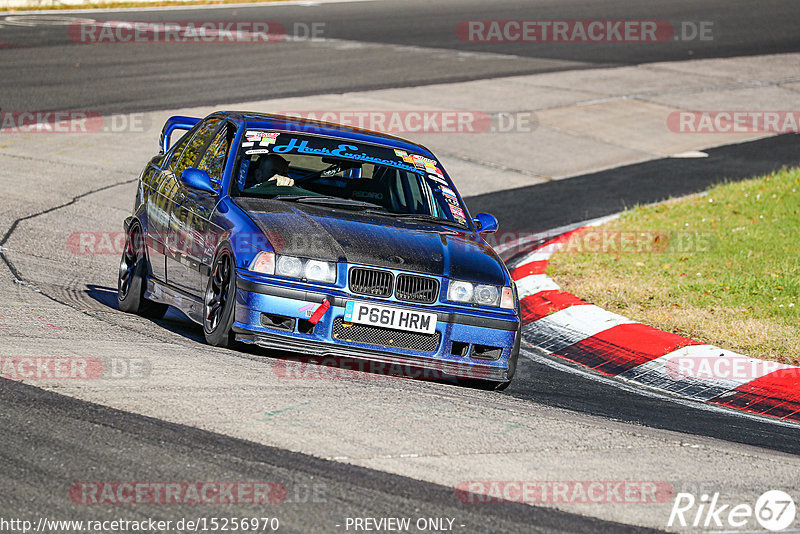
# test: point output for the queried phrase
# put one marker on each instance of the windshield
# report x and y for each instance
(344, 174)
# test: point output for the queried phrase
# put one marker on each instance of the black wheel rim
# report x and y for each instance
(217, 293)
(127, 266)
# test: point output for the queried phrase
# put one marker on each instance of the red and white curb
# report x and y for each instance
(560, 324)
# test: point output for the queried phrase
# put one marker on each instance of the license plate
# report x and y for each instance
(388, 317)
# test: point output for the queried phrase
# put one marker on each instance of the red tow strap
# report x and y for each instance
(319, 312)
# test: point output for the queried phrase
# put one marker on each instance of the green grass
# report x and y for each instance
(721, 268)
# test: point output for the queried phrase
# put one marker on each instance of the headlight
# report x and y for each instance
(459, 291)
(487, 295)
(264, 262)
(292, 267)
(321, 271)
(289, 266)
(480, 294)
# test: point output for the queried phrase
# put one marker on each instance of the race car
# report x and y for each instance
(320, 239)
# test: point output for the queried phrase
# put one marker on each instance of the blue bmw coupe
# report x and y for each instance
(318, 239)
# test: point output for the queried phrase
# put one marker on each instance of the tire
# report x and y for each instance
(219, 301)
(501, 386)
(131, 279)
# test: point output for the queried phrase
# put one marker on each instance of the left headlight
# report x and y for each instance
(480, 294)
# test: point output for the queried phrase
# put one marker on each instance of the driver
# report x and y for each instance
(273, 167)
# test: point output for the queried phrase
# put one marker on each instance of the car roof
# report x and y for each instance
(308, 126)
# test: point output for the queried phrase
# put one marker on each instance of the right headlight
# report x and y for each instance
(316, 270)
(322, 271)
(294, 267)
(480, 294)
(289, 266)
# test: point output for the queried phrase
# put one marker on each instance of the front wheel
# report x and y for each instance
(220, 301)
(131, 279)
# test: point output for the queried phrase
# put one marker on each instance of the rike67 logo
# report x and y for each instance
(774, 510)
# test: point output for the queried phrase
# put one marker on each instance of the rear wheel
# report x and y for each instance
(131, 279)
(220, 301)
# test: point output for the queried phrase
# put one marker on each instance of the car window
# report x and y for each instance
(195, 147)
(363, 175)
(214, 159)
(177, 150)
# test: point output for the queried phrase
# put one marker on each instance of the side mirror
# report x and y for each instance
(485, 223)
(197, 179)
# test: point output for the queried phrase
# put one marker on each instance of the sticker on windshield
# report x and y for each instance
(257, 151)
(342, 150)
(448, 192)
(430, 162)
(436, 178)
(255, 135)
(266, 141)
(405, 156)
(457, 212)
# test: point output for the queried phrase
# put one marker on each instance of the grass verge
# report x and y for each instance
(720, 267)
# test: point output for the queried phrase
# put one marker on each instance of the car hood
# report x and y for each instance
(354, 237)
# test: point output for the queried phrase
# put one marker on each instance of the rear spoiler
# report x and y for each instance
(175, 123)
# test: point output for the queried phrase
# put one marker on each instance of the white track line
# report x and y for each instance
(535, 283)
(560, 365)
(572, 325)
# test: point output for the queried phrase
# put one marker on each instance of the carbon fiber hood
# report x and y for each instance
(354, 237)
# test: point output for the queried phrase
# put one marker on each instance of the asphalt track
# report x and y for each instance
(370, 45)
(564, 202)
(48, 441)
(319, 495)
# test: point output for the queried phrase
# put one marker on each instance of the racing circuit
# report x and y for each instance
(373, 446)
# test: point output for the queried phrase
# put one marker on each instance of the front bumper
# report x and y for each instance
(459, 335)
